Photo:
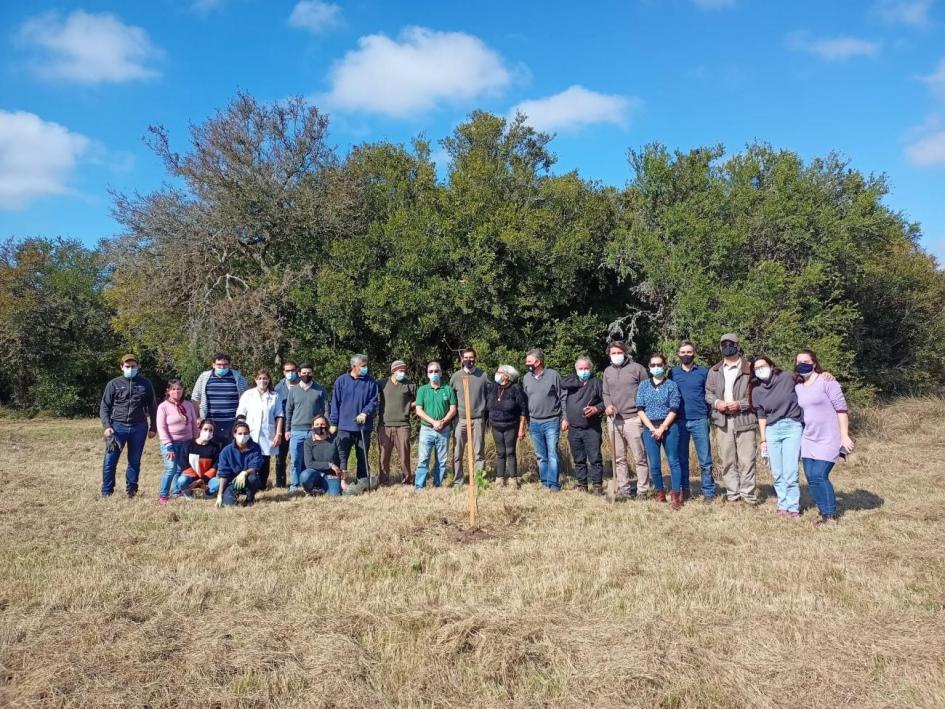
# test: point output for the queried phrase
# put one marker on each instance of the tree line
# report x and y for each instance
(268, 243)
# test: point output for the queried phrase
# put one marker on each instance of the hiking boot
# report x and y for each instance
(513, 483)
(676, 498)
(597, 490)
(826, 520)
(581, 487)
(660, 496)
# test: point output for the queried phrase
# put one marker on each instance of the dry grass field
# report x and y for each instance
(388, 600)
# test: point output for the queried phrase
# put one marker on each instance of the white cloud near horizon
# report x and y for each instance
(912, 13)
(37, 157)
(575, 108)
(926, 143)
(418, 71)
(315, 16)
(88, 48)
(832, 49)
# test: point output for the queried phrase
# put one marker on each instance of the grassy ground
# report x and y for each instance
(387, 599)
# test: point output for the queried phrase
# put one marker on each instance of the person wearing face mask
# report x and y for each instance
(128, 405)
(826, 430)
(508, 409)
(304, 402)
(393, 429)
(693, 419)
(477, 402)
(780, 427)
(726, 393)
(217, 393)
(583, 407)
(238, 468)
(355, 397)
(622, 378)
(658, 403)
(545, 408)
(290, 378)
(201, 463)
(436, 408)
(258, 408)
(321, 458)
(177, 427)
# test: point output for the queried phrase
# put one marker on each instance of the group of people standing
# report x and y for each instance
(223, 437)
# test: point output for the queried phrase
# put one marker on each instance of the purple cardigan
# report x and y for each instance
(821, 402)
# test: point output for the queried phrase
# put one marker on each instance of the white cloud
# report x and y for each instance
(926, 146)
(419, 70)
(913, 13)
(832, 48)
(37, 157)
(714, 4)
(88, 48)
(315, 16)
(576, 108)
(936, 80)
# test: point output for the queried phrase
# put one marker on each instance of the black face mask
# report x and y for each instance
(729, 349)
(319, 430)
(306, 378)
(469, 363)
(686, 359)
(530, 367)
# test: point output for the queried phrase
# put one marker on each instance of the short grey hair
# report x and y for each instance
(509, 371)
(358, 359)
(537, 354)
(438, 365)
(584, 358)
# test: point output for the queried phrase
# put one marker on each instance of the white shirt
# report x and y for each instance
(259, 408)
(730, 372)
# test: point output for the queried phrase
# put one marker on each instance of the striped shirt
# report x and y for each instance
(222, 398)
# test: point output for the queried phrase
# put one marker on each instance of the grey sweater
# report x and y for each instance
(477, 392)
(620, 387)
(303, 405)
(545, 395)
(775, 399)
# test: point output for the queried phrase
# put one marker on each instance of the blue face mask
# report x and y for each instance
(435, 377)
(584, 374)
(400, 376)
(657, 371)
(130, 372)
(363, 370)
(291, 376)
(221, 372)
(805, 369)
(498, 378)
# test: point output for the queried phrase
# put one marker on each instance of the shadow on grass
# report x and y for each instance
(857, 500)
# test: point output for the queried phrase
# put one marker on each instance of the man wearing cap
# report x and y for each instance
(622, 378)
(393, 430)
(477, 404)
(726, 393)
(129, 415)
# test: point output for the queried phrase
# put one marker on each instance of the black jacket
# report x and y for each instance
(128, 401)
(506, 405)
(579, 395)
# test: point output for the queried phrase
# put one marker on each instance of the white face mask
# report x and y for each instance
(763, 373)
(204, 437)
(241, 439)
(617, 359)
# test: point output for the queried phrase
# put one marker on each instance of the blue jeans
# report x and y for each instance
(230, 494)
(698, 431)
(784, 452)
(436, 441)
(545, 442)
(297, 446)
(173, 468)
(213, 484)
(670, 443)
(134, 435)
(313, 480)
(821, 489)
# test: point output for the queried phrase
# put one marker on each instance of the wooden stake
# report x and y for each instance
(471, 472)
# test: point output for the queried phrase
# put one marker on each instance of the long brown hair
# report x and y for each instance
(266, 372)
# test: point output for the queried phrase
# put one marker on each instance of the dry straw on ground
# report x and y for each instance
(385, 600)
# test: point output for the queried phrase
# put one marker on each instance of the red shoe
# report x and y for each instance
(660, 496)
(676, 498)
(163, 500)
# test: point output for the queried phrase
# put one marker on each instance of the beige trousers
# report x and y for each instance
(737, 449)
(629, 434)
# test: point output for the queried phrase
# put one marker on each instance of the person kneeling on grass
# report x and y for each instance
(238, 468)
(321, 458)
(201, 470)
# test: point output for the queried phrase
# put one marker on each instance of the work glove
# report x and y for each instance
(239, 482)
(333, 430)
(361, 418)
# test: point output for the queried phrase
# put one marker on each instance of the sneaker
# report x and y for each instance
(294, 489)
(513, 483)
(793, 515)
(708, 499)
(782, 513)
(163, 500)
(826, 520)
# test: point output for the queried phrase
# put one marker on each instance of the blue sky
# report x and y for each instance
(81, 82)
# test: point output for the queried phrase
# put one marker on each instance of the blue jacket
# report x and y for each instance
(233, 461)
(350, 397)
